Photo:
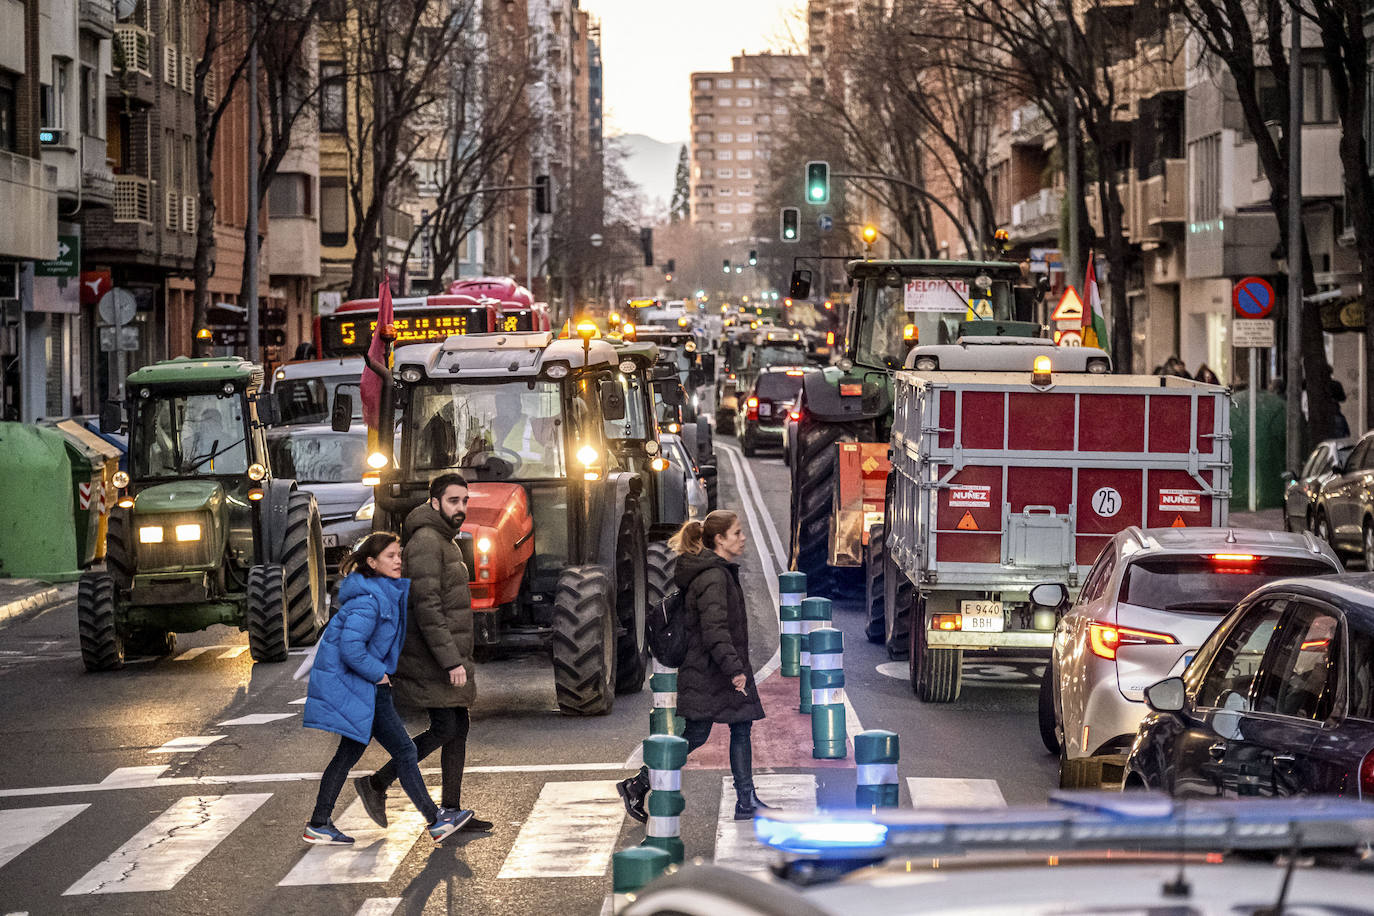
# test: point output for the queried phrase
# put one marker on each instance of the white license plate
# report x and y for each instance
(982, 616)
(765, 410)
(331, 540)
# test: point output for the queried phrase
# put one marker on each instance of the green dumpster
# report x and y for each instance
(94, 462)
(1271, 427)
(37, 539)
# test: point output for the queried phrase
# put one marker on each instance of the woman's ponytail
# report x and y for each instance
(694, 535)
(369, 547)
(687, 540)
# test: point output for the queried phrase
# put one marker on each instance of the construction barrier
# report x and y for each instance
(826, 646)
(791, 591)
(815, 612)
(876, 753)
(665, 756)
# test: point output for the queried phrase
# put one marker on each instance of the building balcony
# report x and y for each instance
(1029, 125)
(97, 181)
(28, 198)
(96, 17)
(293, 246)
(1164, 198)
(1037, 216)
(133, 199)
(133, 49)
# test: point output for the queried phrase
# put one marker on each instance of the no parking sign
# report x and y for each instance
(1252, 297)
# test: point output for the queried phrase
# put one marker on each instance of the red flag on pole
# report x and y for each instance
(370, 388)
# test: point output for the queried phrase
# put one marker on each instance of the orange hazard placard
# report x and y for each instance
(967, 523)
(1179, 522)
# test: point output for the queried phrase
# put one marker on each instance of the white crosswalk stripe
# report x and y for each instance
(20, 828)
(375, 853)
(736, 845)
(954, 792)
(164, 852)
(570, 833)
(378, 906)
(258, 718)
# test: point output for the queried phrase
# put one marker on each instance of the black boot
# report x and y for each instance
(632, 792)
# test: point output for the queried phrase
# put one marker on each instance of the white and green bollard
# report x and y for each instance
(663, 718)
(827, 693)
(815, 612)
(665, 756)
(633, 868)
(791, 591)
(876, 753)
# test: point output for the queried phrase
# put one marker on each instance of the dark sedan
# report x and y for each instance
(1300, 492)
(1344, 515)
(1278, 701)
(331, 465)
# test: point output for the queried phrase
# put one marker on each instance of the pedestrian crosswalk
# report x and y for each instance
(571, 830)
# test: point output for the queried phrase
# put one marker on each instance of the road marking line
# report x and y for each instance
(258, 718)
(306, 663)
(20, 828)
(736, 845)
(379, 906)
(570, 833)
(954, 792)
(129, 777)
(187, 745)
(192, 653)
(376, 851)
(300, 702)
(235, 652)
(164, 852)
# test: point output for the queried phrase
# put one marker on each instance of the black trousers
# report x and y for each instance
(448, 733)
(741, 750)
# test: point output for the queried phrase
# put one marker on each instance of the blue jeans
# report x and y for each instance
(391, 734)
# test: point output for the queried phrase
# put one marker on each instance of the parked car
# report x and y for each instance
(764, 409)
(305, 390)
(330, 465)
(1149, 601)
(693, 482)
(1344, 514)
(1278, 701)
(1300, 492)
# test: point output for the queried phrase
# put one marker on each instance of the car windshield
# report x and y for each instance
(191, 434)
(1205, 584)
(779, 355)
(778, 386)
(935, 305)
(309, 400)
(319, 457)
(513, 429)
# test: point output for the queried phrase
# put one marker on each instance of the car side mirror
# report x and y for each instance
(269, 410)
(1050, 595)
(111, 417)
(800, 287)
(1168, 695)
(341, 417)
(612, 398)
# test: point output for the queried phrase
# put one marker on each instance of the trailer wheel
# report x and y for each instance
(631, 597)
(813, 486)
(899, 596)
(303, 569)
(875, 551)
(265, 616)
(102, 649)
(584, 642)
(936, 674)
(1045, 710)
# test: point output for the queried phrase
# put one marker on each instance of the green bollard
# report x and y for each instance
(876, 753)
(791, 591)
(663, 718)
(665, 756)
(815, 612)
(827, 693)
(633, 868)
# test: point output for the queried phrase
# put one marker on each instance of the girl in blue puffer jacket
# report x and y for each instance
(350, 687)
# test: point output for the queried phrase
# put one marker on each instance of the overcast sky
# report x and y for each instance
(650, 47)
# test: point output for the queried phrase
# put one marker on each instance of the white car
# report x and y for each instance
(305, 390)
(680, 463)
(1149, 601)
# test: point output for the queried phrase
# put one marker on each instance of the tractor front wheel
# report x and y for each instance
(303, 570)
(102, 648)
(631, 600)
(584, 642)
(266, 614)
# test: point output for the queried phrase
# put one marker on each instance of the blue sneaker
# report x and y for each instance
(449, 822)
(328, 835)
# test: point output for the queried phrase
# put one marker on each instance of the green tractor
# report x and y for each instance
(201, 532)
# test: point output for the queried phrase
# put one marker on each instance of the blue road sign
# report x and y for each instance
(1252, 297)
(825, 222)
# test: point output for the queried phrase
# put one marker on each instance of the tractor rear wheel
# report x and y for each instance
(936, 674)
(303, 570)
(875, 551)
(662, 563)
(266, 614)
(584, 642)
(631, 602)
(102, 648)
(813, 488)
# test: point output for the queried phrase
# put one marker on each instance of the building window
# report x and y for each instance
(332, 97)
(745, 192)
(9, 139)
(1318, 101)
(726, 84)
(745, 102)
(745, 138)
(726, 137)
(725, 227)
(1205, 166)
(725, 102)
(726, 173)
(725, 208)
(703, 136)
(429, 175)
(333, 212)
(702, 119)
(745, 208)
(765, 120)
(744, 119)
(289, 196)
(724, 155)
(744, 155)
(90, 101)
(704, 85)
(726, 192)
(746, 173)
(743, 84)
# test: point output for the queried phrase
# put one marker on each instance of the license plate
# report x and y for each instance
(982, 616)
(765, 410)
(331, 540)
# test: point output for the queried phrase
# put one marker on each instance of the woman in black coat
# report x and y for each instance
(714, 682)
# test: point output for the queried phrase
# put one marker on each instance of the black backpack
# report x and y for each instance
(665, 629)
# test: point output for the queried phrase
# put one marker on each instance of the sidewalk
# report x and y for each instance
(24, 596)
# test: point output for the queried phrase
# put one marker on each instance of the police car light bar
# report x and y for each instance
(1073, 821)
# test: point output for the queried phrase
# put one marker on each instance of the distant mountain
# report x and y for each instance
(651, 164)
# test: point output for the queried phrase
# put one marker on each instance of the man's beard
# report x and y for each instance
(455, 521)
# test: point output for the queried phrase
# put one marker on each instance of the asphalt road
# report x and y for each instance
(181, 785)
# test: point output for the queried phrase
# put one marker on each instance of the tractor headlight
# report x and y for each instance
(588, 455)
(365, 511)
(120, 479)
(256, 472)
(188, 532)
(658, 464)
(150, 534)
(556, 371)
(410, 375)
(377, 461)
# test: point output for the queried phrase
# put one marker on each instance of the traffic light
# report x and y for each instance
(726, 268)
(753, 257)
(646, 242)
(543, 194)
(817, 182)
(791, 224)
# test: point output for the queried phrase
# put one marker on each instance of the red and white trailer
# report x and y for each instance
(999, 483)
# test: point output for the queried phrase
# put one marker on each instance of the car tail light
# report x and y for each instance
(1233, 563)
(947, 622)
(753, 405)
(795, 372)
(795, 413)
(1367, 776)
(1105, 639)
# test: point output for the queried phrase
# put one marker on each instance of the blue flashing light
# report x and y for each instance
(821, 836)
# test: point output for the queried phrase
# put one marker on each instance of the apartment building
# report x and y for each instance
(736, 114)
